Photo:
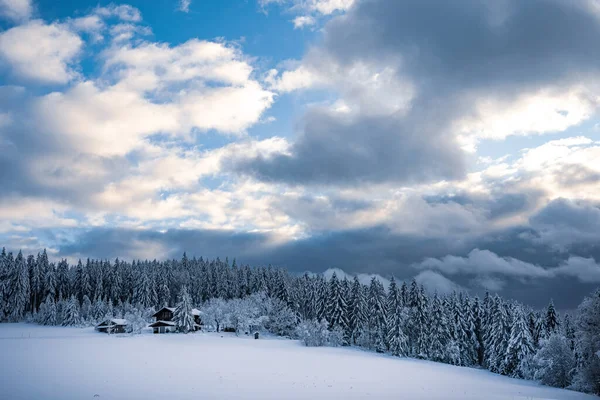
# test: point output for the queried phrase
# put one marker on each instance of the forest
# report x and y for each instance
(494, 333)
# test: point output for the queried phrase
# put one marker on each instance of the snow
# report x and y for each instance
(73, 363)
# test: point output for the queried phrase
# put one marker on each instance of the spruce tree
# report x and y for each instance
(517, 362)
(335, 306)
(71, 312)
(551, 322)
(357, 311)
(19, 287)
(183, 318)
(439, 334)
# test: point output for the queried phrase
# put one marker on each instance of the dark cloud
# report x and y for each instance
(336, 149)
(453, 53)
(376, 250)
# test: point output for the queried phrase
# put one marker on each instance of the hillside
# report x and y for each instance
(72, 363)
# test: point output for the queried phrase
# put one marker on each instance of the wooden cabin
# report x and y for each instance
(113, 325)
(164, 320)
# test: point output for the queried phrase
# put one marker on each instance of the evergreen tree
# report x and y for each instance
(551, 322)
(357, 311)
(48, 311)
(439, 334)
(183, 318)
(396, 339)
(517, 362)
(496, 340)
(376, 322)
(19, 287)
(71, 312)
(336, 307)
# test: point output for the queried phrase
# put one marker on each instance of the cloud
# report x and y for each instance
(539, 77)
(484, 263)
(365, 279)
(437, 283)
(124, 12)
(564, 222)
(184, 5)
(41, 52)
(303, 21)
(16, 10)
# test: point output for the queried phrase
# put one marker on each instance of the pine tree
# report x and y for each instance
(335, 306)
(376, 324)
(71, 312)
(357, 311)
(48, 311)
(396, 339)
(183, 318)
(439, 334)
(517, 362)
(19, 288)
(496, 340)
(551, 323)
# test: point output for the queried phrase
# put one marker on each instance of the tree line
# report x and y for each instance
(503, 336)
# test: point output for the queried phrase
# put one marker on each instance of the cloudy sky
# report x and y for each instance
(455, 142)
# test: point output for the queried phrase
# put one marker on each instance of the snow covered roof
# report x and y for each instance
(172, 309)
(162, 323)
(112, 322)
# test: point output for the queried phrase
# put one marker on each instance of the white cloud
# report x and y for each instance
(363, 278)
(184, 5)
(544, 111)
(16, 10)
(303, 21)
(436, 283)
(124, 12)
(486, 265)
(41, 52)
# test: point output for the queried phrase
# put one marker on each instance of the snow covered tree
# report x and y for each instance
(183, 318)
(554, 362)
(551, 323)
(396, 339)
(496, 337)
(375, 332)
(517, 362)
(439, 334)
(215, 311)
(335, 306)
(19, 294)
(48, 313)
(356, 311)
(313, 333)
(587, 346)
(70, 313)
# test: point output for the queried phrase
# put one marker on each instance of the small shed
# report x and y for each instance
(113, 325)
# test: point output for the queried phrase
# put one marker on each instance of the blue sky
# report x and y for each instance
(457, 145)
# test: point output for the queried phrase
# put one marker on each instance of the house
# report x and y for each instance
(164, 320)
(113, 325)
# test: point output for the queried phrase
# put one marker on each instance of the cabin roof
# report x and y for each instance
(162, 323)
(112, 322)
(195, 311)
(171, 309)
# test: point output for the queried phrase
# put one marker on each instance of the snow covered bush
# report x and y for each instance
(316, 334)
(554, 363)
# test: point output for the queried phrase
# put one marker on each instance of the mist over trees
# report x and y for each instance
(500, 335)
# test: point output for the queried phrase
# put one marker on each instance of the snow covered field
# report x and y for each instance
(70, 363)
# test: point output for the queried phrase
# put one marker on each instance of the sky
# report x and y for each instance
(457, 143)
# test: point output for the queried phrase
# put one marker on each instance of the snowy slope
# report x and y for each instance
(70, 363)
